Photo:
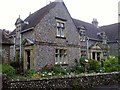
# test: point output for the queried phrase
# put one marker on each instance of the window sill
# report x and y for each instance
(60, 37)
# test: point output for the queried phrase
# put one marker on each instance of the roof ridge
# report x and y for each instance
(109, 25)
(82, 21)
(34, 18)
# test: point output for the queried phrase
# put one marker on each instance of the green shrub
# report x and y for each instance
(94, 65)
(111, 64)
(15, 64)
(8, 70)
(0, 68)
(58, 70)
(30, 72)
(77, 69)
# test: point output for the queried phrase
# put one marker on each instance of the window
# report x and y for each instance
(61, 56)
(83, 53)
(104, 41)
(104, 53)
(18, 28)
(60, 28)
(82, 33)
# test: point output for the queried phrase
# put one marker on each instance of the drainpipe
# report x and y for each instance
(14, 51)
(20, 50)
(87, 43)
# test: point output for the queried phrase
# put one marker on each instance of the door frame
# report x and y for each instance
(28, 48)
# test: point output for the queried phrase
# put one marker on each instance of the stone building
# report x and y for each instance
(47, 36)
(98, 42)
(4, 47)
(51, 36)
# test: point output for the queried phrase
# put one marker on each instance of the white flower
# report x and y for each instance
(49, 74)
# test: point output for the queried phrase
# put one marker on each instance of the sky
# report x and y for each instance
(106, 11)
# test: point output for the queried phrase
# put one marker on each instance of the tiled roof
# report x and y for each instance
(91, 30)
(35, 18)
(4, 38)
(111, 31)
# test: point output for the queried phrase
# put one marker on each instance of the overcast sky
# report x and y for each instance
(106, 11)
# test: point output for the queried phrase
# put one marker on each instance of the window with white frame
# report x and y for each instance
(60, 28)
(61, 56)
(82, 34)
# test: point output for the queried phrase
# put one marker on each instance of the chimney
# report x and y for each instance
(29, 13)
(58, 0)
(95, 22)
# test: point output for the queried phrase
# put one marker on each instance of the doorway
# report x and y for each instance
(98, 55)
(93, 55)
(28, 59)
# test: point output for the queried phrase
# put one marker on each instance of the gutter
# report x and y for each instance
(23, 31)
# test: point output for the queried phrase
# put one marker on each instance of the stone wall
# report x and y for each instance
(47, 40)
(84, 81)
(113, 49)
(5, 54)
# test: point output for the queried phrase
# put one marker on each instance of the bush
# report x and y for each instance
(58, 70)
(15, 64)
(111, 64)
(77, 69)
(50, 70)
(30, 72)
(0, 68)
(94, 65)
(8, 70)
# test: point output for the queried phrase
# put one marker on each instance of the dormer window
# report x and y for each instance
(18, 25)
(103, 36)
(60, 28)
(82, 33)
(18, 28)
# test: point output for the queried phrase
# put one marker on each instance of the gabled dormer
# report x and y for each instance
(18, 25)
(103, 36)
(82, 32)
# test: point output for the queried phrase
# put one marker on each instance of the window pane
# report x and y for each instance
(64, 59)
(61, 56)
(60, 51)
(58, 31)
(58, 24)
(57, 58)
(62, 25)
(62, 32)
(56, 51)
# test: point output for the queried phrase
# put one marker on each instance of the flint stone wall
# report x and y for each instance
(84, 81)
